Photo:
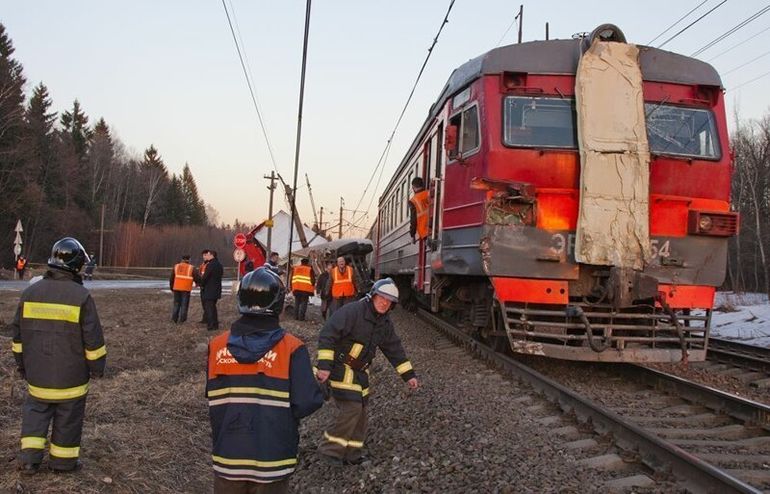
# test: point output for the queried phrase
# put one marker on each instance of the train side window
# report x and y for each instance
(468, 135)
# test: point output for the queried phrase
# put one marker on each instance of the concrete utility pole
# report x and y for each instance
(271, 188)
(342, 204)
(521, 21)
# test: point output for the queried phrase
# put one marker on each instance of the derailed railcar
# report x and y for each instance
(580, 201)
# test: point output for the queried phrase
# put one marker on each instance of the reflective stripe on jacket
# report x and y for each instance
(355, 330)
(302, 279)
(57, 337)
(421, 203)
(342, 283)
(183, 277)
(255, 409)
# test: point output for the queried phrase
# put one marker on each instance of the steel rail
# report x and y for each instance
(653, 451)
(739, 354)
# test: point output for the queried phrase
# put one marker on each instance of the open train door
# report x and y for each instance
(429, 248)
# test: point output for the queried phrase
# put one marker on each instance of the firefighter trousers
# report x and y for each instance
(345, 438)
(224, 486)
(64, 448)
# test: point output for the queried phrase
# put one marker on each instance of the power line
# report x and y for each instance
(688, 26)
(669, 28)
(739, 44)
(406, 105)
(750, 81)
(747, 63)
(731, 31)
(251, 89)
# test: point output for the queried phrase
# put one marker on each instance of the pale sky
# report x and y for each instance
(167, 73)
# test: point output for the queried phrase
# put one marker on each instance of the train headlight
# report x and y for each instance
(705, 223)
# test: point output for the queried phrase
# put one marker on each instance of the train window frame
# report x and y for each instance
(504, 123)
(651, 107)
(453, 118)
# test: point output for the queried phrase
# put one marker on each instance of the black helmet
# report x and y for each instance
(68, 254)
(261, 292)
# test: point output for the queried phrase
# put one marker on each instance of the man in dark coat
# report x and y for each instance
(211, 289)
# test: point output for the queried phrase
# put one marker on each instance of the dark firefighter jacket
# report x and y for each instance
(356, 330)
(211, 280)
(260, 384)
(57, 338)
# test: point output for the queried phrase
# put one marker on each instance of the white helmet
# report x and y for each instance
(387, 289)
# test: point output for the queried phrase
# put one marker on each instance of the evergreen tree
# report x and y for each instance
(153, 180)
(100, 164)
(194, 209)
(13, 172)
(175, 203)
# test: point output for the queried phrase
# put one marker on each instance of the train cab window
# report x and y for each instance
(468, 139)
(678, 131)
(539, 122)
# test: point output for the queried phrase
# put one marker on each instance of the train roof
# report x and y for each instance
(559, 57)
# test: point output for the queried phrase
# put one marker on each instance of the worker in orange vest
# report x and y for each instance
(419, 210)
(181, 283)
(343, 283)
(21, 265)
(303, 286)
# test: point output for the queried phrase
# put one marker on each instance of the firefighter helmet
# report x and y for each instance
(68, 254)
(386, 288)
(261, 292)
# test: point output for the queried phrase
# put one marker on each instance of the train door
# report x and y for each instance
(422, 280)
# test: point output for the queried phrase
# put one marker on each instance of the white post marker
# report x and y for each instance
(17, 242)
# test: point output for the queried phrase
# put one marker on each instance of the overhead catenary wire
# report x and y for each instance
(739, 44)
(514, 21)
(688, 26)
(669, 28)
(406, 105)
(732, 30)
(746, 63)
(251, 88)
(749, 81)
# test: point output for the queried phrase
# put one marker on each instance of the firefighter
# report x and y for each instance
(260, 384)
(302, 285)
(343, 285)
(346, 347)
(58, 345)
(419, 210)
(21, 265)
(181, 283)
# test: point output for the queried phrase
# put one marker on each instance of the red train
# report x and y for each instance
(580, 201)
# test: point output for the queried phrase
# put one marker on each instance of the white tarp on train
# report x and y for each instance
(613, 221)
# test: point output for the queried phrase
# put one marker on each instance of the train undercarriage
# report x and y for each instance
(591, 327)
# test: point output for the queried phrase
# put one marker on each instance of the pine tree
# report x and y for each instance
(13, 172)
(194, 209)
(153, 179)
(175, 203)
(100, 163)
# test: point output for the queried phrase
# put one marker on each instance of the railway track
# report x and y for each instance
(747, 363)
(709, 440)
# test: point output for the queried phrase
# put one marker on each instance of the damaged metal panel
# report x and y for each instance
(613, 221)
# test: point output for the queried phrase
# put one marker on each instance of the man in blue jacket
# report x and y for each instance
(260, 384)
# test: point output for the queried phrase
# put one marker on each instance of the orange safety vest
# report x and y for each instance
(342, 283)
(20, 263)
(300, 279)
(183, 277)
(421, 203)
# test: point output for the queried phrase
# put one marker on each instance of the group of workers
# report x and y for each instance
(260, 380)
(208, 276)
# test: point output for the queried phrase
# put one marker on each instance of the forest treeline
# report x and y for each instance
(58, 172)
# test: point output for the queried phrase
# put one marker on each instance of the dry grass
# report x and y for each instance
(146, 427)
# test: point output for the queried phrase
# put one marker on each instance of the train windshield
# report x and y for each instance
(544, 122)
(681, 131)
(540, 122)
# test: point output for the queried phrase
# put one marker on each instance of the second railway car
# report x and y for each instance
(579, 201)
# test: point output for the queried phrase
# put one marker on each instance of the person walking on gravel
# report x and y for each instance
(58, 345)
(260, 384)
(346, 347)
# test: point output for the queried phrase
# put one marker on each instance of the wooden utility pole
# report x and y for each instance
(342, 204)
(271, 188)
(521, 21)
(295, 216)
(321, 222)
